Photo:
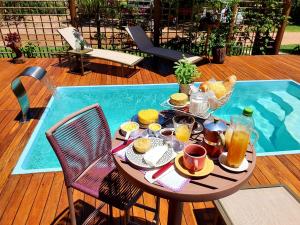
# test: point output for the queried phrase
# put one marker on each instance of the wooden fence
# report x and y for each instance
(175, 24)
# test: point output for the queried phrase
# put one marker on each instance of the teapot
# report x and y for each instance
(214, 136)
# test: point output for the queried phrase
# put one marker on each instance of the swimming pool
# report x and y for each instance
(276, 107)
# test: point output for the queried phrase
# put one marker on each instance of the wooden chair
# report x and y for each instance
(82, 143)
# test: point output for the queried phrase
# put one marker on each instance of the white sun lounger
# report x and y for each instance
(145, 45)
(71, 34)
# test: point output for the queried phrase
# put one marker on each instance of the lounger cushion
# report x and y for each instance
(71, 34)
(144, 44)
(140, 38)
(172, 54)
(115, 56)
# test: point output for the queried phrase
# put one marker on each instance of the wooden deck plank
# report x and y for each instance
(40, 198)
(15, 200)
(53, 198)
(7, 192)
(28, 199)
(39, 203)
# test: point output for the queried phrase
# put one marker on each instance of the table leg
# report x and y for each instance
(175, 212)
(81, 65)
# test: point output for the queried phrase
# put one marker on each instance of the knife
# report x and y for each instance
(120, 147)
(162, 170)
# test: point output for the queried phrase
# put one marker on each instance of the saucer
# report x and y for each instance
(207, 169)
(223, 162)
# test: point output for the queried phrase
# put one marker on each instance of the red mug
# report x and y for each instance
(194, 157)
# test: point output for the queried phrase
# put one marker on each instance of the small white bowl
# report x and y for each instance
(132, 132)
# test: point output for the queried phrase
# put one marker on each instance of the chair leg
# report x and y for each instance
(156, 215)
(127, 216)
(71, 206)
(110, 208)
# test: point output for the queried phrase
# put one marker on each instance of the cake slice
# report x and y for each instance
(178, 99)
(148, 116)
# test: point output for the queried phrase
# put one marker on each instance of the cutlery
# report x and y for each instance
(162, 170)
(120, 147)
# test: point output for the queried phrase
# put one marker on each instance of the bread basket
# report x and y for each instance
(216, 103)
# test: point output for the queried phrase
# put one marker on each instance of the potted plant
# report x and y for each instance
(218, 46)
(185, 73)
(14, 42)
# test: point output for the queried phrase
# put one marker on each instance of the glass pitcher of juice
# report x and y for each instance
(242, 129)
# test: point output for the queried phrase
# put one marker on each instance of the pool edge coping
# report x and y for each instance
(19, 170)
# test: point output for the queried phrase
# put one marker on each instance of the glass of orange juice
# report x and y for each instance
(183, 125)
(241, 132)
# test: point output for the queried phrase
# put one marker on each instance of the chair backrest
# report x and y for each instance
(140, 38)
(80, 140)
(71, 35)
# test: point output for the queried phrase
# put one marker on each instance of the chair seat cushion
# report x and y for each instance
(119, 57)
(108, 185)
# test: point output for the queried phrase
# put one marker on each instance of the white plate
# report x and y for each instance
(137, 159)
(223, 162)
(177, 106)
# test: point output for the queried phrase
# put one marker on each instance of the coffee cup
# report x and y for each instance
(167, 133)
(194, 157)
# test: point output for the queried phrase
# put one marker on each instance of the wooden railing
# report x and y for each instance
(173, 24)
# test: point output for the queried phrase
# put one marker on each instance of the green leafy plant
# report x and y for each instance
(218, 38)
(29, 50)
(185, 71)
(263, 18)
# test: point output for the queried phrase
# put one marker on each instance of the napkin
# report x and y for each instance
(120, 150)
(154, 155)
(170, 179)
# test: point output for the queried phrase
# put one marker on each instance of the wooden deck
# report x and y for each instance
(41, 198)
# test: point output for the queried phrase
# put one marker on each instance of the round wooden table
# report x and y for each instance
(218, 184)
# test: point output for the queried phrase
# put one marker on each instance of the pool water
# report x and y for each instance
(276, 107)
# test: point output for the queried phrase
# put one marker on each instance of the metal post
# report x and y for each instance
(20, 92)
(157, 18)
(287, 5)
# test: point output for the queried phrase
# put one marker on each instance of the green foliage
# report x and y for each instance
(90, 7)
(263, 18)
(220, 32)
(35, 7)
(290, 49)
(185, 71)
(29, 50)
(293, 28)
(265, 15)
(218, 38)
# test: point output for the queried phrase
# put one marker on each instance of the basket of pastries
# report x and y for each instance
(218, 92)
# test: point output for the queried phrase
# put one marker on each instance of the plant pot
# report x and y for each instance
(219, 55)
(15, 47)
(185, 88)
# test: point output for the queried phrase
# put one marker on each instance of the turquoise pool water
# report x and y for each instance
(276, 105)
